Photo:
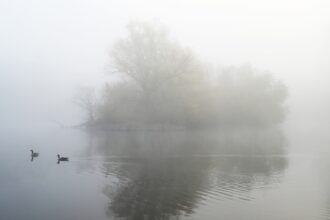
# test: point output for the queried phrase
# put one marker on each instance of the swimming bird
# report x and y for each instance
(34, 154)
(62, 158)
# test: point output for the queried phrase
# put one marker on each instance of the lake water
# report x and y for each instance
(115, 177)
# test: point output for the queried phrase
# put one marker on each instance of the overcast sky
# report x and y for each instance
(48, 47)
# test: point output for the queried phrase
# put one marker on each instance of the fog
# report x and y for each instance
(49, 48)
(242, 123)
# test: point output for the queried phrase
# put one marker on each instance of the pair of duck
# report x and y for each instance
(36, 154)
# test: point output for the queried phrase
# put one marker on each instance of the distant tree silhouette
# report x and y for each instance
(164, 85)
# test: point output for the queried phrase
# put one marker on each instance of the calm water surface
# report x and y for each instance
(104, 181)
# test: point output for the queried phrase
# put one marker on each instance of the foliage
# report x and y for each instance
(164, 85)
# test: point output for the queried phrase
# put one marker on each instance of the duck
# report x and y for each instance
(34, 154)
(62, 158)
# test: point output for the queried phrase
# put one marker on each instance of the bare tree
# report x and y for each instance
(85, 98)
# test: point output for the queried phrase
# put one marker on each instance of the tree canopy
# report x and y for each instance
(163, 84)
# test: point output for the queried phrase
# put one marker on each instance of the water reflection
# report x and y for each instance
(187, 143)
(106, 179)
(160, 189)
(181, 172)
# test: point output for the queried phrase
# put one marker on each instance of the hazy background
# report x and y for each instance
(48, 48)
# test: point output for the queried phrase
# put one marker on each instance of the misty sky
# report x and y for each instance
(49, 47)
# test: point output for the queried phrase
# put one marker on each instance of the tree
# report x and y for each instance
(165, 75)
(150, 58)
(85, 98)
(164, 85)
(246, 96)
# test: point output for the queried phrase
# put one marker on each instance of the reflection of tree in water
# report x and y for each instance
(161, 189)
(163, 175)
(184, 143)
(237, 176)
